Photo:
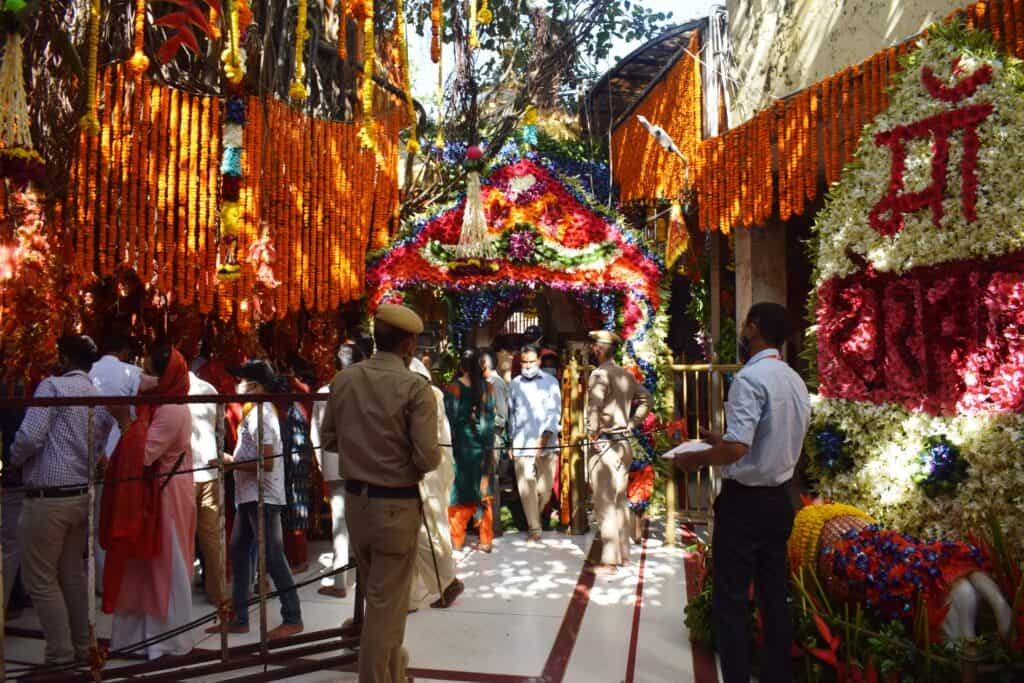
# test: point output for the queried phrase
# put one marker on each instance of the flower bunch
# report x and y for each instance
(942, 467)
(231, 213)
(522, 246)
(830, 449)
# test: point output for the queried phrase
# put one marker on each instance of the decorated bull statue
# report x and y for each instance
(894, 574)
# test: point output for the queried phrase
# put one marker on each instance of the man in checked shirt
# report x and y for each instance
(52, 449)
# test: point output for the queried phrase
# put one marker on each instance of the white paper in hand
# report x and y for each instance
(686, 447)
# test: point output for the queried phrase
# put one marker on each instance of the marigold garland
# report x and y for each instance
(90, 121)
(436, 28)
(298, 91)
(413, 145)
(484, 16)
(343, 30)
(139, 62)
(366, 132)
(474, 39)
(233, 57)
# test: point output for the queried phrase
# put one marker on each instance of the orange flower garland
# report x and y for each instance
(139, 62)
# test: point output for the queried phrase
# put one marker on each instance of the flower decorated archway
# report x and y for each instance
(543, 231)
(919, 300)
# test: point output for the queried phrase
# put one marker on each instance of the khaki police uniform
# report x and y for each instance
(610, 418)
(382, 421)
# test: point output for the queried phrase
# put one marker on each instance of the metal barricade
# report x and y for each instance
(697, 397)
(199, 664)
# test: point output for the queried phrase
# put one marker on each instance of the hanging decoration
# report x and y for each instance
(139, 62)
(298, 91)
(343, 30)
(413, 145)
(19, 161)
(233, 56)
(90, 121)
(474, 243)
(530, 120)
(484, 16)
(262, 255)
(474, 39)
(363, 9)
(678, 236)
(436, 30)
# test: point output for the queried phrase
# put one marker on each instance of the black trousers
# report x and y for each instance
(752, 526)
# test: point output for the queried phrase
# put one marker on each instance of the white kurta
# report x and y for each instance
(435, 489)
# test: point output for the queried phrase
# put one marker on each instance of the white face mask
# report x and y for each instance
(242, 388)
(531, 372)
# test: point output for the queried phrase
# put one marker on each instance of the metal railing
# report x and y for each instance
(698, 397)
(258, 654)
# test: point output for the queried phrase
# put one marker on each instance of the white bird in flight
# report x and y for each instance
(665, 141)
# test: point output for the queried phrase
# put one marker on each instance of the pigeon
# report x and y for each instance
(660, 135)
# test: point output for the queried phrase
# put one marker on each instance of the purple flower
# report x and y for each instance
(522, 245)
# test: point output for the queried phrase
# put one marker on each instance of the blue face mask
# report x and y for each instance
(530, 372)
(550, 371)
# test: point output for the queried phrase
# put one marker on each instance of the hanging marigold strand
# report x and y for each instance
(298, 91)
(474, 39)
(343, 30)
(90, 122)
(139, 62)
(436, 26)
(413, 145)
(366, 133)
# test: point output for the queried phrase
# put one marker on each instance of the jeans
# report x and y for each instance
(243, 537)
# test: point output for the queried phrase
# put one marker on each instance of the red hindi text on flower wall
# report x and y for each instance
(940, 339)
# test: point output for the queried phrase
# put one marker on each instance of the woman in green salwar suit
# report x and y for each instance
(469, 403)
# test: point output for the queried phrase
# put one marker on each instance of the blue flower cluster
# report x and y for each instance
(942, 467)
(235, 112)
(830, 449)
(890, 570)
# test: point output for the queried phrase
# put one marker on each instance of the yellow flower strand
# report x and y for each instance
(439, 138)
(298, 91)
(91, 122)
(484, 16)
(234, 67)
(139, 62)
(413, 146)
(474, 39)
(366, 132)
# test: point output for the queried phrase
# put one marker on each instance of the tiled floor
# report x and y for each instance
(530, 613)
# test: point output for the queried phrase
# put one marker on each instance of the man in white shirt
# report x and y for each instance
(338, 585)
(207, 435)
(257, 377)
(114, 375)
(766, 418)
(534, 423)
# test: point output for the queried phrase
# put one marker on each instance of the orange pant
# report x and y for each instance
(459, 517)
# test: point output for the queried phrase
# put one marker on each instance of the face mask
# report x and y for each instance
(531, 372)
(550, 371)
(744, 349)
(242, 388)
(345, 356)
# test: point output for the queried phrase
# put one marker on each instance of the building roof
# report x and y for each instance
(615, 95)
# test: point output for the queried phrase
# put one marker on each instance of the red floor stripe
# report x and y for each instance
(637, 606)
(705, 668)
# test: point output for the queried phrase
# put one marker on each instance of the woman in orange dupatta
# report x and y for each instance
(153, 594)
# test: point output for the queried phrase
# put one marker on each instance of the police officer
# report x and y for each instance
(382, 421)
(610, 419)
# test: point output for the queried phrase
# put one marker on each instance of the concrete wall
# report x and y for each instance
(785, 45)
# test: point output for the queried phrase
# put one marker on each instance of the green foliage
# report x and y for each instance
(570, 148)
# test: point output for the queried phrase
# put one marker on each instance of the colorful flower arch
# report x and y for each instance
(919, 300)
(547, 232)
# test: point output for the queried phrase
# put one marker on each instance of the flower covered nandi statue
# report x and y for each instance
(893, 574)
